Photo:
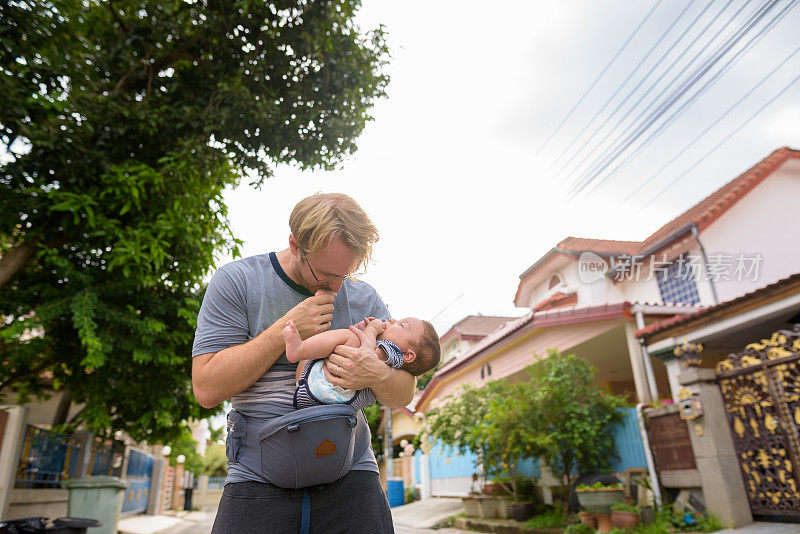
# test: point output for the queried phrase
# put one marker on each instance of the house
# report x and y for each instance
(590, 297)
(736, 369)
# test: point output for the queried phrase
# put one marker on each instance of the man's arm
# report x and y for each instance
(360, 367)
(221, 375)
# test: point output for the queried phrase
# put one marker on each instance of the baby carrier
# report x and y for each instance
(303, 448)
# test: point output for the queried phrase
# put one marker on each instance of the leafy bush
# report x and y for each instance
(555, 517)
(624, 507)
(599, 485)
(559, 415)
(578, 528)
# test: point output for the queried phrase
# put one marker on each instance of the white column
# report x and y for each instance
(426, 490)
(674, 368)
(637, 364)
(9, 454)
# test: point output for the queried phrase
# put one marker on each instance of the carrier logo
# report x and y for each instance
(326, 448)
(591, 267)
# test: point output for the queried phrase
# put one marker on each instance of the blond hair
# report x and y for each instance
(317, 219)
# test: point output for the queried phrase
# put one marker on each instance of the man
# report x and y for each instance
(238, 354)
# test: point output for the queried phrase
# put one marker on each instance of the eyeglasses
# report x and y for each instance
(352, 276)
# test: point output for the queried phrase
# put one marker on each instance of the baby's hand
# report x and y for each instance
(377, 324)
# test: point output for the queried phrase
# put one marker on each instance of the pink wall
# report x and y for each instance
(522, 354)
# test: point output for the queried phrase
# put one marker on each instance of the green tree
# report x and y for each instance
(185, 445)
(121, 123)
(214, 460)
(577, 416)
(559, 415)
(485, 421)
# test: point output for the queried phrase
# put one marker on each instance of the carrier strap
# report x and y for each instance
(305, 513)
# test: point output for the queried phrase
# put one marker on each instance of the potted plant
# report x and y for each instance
(587, 519)
(624, 515)
(597, 499)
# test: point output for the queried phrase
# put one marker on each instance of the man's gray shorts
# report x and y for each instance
(354, 504)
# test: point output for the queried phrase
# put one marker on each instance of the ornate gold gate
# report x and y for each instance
(761, 389)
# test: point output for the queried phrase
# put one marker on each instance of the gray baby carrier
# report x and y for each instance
(303, 448)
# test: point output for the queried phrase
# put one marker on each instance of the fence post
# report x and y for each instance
(84, 463)
(714, 452)
(10, 446)
(426, 491)
(156, 479)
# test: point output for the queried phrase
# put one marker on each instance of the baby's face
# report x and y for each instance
(403, 332)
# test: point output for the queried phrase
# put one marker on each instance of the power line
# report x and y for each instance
(599, 76)
(701, 134)
(724, 139)
(627, 79)
(665, 106)
(624, 140)
(595, 134)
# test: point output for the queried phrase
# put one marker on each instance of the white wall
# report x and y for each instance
(765, 221)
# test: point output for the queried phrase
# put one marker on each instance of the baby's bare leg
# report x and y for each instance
(294, 345)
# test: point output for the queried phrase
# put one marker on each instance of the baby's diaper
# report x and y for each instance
(324, 391)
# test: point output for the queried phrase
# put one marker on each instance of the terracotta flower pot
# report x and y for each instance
(624, 520)
(588, 519)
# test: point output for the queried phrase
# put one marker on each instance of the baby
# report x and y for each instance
(409, 344)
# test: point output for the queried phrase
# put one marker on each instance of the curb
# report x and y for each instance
(501, 526)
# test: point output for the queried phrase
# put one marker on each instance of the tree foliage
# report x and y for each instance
(485, 422)
(122, 122)
(577, 416)
(215, 461)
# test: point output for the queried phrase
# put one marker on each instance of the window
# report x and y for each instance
(677, 283)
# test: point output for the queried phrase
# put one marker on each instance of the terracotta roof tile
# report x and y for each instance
(600, 246)
(557, 300)
(478, 326)
(710, 208)
(702, 214)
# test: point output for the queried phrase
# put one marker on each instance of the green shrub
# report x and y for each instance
(578, 528)
(624, 507)
(598, 485)
(555, 517)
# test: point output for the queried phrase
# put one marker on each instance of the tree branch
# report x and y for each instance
(16, 259)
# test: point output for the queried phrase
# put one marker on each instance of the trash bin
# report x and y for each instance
(72, 525)
(394, 492)
(97, 498)
(23, 526)
(187, 498)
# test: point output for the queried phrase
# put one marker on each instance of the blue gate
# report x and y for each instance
(138, 475)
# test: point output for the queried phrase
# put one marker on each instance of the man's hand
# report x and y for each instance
(313, 315)
(356, 368)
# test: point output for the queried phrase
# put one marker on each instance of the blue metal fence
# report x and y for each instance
(106, 459)
(47, 458)
(216, 483)
(629, 442)
(138, 475)
(446, 462)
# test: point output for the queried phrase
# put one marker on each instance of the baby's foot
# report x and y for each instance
(292, 339)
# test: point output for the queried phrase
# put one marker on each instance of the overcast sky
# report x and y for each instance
(449, 170)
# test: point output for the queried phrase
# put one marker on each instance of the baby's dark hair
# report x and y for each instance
(428, 351)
